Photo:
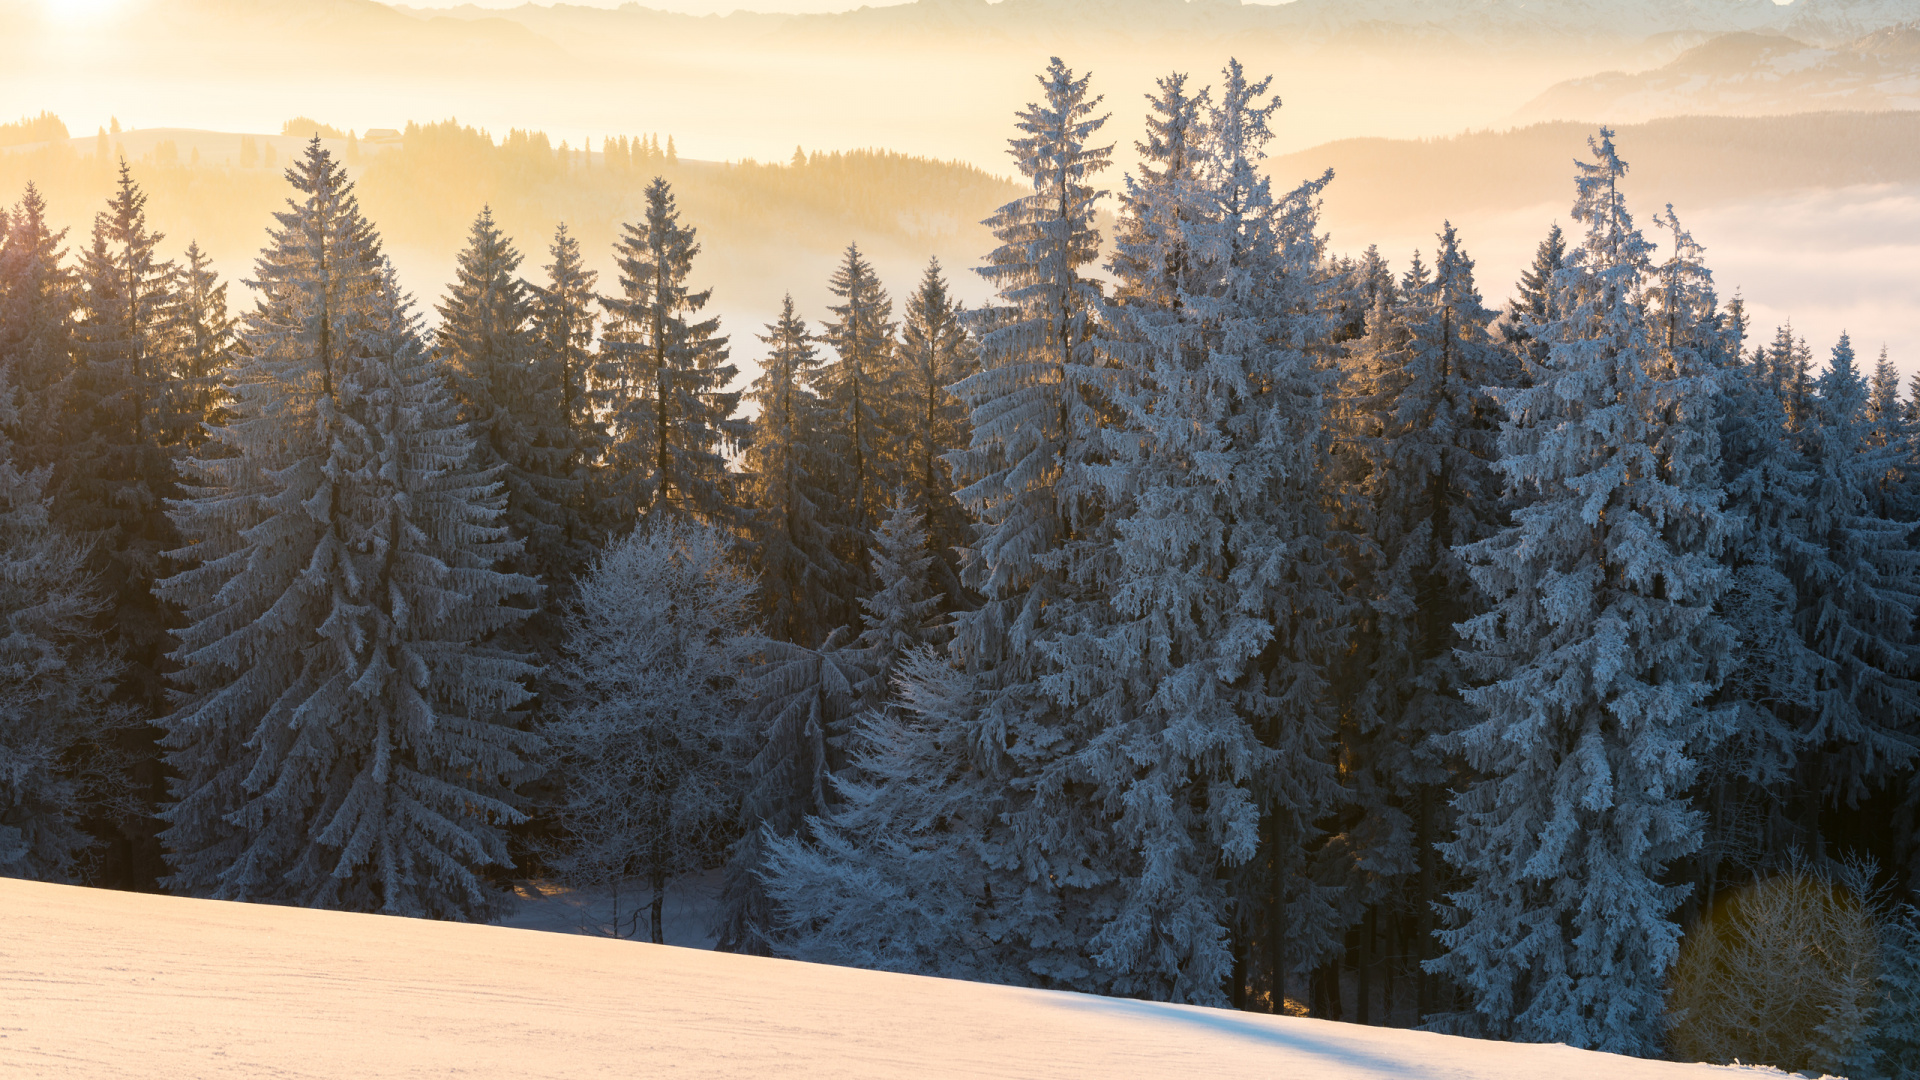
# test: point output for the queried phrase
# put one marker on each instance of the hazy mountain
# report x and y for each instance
(1750, 74)
(1305, 23)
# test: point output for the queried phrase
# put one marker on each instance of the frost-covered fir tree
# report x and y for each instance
(1427, 438)
(204, 336)
(511, 403)
(859, 391)
(56, 674)
(662, 376)
(973, 843)
(1534, 299)
(1858, 592)
(1765, 486)
(119, 428)
(1596, 659)
(342, 736)
(37, 299)
(645, 731)
(936, 352)
(1210, 756)
(791, 484)
(563, 321)
(1893, 1043)
(807, 709)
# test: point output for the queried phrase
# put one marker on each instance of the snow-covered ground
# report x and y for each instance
(102, 984)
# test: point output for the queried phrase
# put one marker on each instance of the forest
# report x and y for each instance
(1206, 618)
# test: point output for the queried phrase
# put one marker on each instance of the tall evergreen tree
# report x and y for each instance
(662, 377)
(57, 726)
(341, 736)
(1212, 748)
(973, 844)
(116, 469)
(936, 352)
(563, 321)
(203, 330)
(37, 305)
(1858, 596)
(1598, 655)
(806, 716)
(513, 404)
(858, 387)
(1534, 299)
(1424, 369)
(801, 576)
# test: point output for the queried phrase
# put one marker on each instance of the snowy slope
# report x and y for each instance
(100, 984)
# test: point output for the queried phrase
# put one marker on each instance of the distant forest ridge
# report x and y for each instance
(1688, 160)
(424, 188)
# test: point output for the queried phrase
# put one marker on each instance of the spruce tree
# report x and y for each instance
(1596, 660)
(203, 331)
(38, 296)
(807, 713)
(858, 388)
(512, 404)
(801, 577)
(972, 842)
(1534, 299)
(1424, 369)
(342, 736)
(563, 321)
(936, 352)
(58, 729)
(118, 430)
(662, 377)
(1858, 595)
(1211, 754)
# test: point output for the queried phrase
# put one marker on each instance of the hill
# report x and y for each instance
(109, 983)
(1751, 74)
(1688, 160)
(765, 228)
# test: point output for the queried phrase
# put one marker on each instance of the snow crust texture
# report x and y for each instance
(100, 983)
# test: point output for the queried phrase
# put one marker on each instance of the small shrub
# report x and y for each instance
(1781, 973)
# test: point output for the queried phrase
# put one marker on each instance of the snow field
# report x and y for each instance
(100, 984)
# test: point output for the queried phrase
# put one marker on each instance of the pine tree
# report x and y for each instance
(802, 578)
(807, 710)
(972, 844)
(1894, 1043)
(643, 738)
(1427, 439)
(662, 378)
(1534, 299)
(342, 737)
(204, 338)
(118, 430)
(513, 404)
(1765, 481)
(38, 294)
(1597, 657)
(1211, 754)
(858, 388)
(563, 323)
(936, 352)
(1858, 595)
(58, 729)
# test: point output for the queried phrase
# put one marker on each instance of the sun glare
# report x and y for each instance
(79, 10)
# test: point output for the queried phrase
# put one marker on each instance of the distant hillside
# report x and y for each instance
(1751, 74)
(765, 229)
(1691, 161)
